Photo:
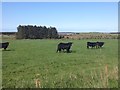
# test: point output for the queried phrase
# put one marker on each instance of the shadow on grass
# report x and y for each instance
(8, 50)
(71, 51)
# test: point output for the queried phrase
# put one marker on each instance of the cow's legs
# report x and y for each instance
(87, 46)
(5, 48)
(68, 50)
(58, 50)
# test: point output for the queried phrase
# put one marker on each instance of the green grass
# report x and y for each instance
(28, 60)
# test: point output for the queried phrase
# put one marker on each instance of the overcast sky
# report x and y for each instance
(65, 16)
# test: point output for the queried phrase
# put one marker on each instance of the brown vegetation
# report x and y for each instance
(92, 36)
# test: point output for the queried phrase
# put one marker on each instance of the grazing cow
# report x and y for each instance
(4, 45)
(63, 46)
(91, 44)
(100, 44)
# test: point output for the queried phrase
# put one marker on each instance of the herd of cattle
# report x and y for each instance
(95, 44)
(67, 46)
(63, 46)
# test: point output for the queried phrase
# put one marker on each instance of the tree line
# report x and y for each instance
(36, 32)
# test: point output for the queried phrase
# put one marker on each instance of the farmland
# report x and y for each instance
(29, 61)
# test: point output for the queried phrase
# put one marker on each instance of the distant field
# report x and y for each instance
(27, 62)
(77, 36)
(92, 36)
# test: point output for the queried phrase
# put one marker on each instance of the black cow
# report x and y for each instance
(100, 44)
(91, 44)
(64, 46)
(4, 45)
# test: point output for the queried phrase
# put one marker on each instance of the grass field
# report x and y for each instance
(35, 64)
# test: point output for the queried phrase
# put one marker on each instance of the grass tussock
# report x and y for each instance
(95, 79)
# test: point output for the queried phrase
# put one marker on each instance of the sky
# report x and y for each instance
(65, 16)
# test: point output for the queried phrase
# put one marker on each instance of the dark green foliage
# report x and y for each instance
(36, 32)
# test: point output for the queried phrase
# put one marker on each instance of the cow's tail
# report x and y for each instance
(57, 51)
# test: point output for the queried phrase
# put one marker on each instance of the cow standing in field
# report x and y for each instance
(91, 44)
(4, 45)
(64, 46)
(100, 44)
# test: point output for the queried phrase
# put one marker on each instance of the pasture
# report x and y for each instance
(35, 64)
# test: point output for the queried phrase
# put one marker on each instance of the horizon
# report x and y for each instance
(69, 32)
(65, 16)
